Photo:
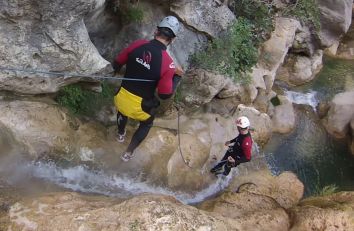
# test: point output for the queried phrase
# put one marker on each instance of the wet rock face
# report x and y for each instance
(340, 114)
(70, 211)
(283, 119)
(258, 200)
(110, 33)
(252, 211)
(286, 189)
(210, 17)
(38, 35)
(333, 212)
(45, 130)
(335, 18)
(201, 87)
(299, 69)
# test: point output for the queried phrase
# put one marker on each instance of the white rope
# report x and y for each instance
(69, 74)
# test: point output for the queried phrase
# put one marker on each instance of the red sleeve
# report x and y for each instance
(122, 57)
(247, 147)
(165, 85)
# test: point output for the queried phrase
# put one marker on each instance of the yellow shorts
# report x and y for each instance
(130, 105)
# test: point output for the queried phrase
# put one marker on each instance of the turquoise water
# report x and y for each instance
(317, 158)
(337, 75)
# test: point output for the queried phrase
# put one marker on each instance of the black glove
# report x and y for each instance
(116, 67)
(176, 79)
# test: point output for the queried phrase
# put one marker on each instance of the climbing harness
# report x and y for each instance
(69, 74)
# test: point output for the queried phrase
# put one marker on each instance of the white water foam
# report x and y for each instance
(303, 98)
(82, 179)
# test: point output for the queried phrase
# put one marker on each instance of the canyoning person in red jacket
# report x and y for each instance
(239, 152)
(146, 60)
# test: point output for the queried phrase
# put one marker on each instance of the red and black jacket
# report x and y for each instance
(242, 146)
(147, 60)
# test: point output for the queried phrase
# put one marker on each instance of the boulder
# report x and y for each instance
(46, 130)
(283, 118)
(286, 189)
(333, 212)
(305, 69)
(340, 114)
(208, 17)
(303, 42)
(42, 36)
(251, 210)
(274, 50)
(273, 53)
(345, 48)
(261, 102)
(71, 211)
(299, 69)
(8, 143)
(199, 87)
(335, 20)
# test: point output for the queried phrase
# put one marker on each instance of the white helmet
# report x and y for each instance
(170, 22)
(242, 122)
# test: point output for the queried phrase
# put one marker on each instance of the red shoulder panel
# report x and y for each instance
(165, 85)
(122, 57)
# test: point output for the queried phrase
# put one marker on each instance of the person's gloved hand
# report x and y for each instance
(179, 71)
(230, 159)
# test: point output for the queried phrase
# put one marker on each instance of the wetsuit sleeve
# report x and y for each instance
(233, 140)
(247, 147)
(122, 58)
(165, 84)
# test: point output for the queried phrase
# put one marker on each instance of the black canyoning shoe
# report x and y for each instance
(214, 170)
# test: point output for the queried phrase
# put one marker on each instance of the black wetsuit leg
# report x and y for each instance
(140, 134)
(221, 163)
(229, 165)
(121, 122)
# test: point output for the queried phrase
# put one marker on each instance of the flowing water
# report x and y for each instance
(317, 158)
(37, 177)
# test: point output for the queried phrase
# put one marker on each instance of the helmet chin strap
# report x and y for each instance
(242, 131)
(170, 42)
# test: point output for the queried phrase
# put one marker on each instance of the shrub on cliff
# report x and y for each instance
(84, 102)
(306, 11)
(129, 11)
(235, 52)
(232, 54)
(259, 13)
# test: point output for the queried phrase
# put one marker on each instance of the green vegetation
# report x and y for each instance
(235, 53)
(259, 13)
(306, 11)
(134, 226)
(327, 190)
(128, 11)
(133, 14)
(84, 102)
(178, 95)
(275, 101)
(232, 54)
